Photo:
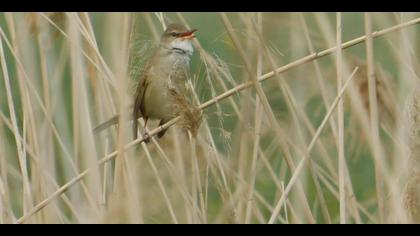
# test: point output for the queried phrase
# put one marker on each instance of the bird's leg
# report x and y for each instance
(145, 134)
(161, 133)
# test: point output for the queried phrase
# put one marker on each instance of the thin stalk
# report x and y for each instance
(309, 149)
(374, 119)
(340, 111)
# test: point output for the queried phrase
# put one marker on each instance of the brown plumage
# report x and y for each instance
(162, 92)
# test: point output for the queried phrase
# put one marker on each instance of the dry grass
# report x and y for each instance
(412, 188)
(300, 120)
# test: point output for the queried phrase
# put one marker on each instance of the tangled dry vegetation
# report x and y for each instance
(291, 128)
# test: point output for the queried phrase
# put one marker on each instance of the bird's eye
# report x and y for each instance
(174, 34)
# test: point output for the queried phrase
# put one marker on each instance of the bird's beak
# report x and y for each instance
(188, 35)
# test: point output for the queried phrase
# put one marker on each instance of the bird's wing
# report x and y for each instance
(138, 108)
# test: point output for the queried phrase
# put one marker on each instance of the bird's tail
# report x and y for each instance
(106, 124)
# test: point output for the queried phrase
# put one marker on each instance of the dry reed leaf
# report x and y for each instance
(412, 128)
(412, 122)
(388, 110)
(56, 17)
(385, 92)
(412, 197)
(191, 116)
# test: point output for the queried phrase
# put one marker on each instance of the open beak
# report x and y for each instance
(188, 34)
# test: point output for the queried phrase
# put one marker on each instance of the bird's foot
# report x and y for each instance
(146, 137)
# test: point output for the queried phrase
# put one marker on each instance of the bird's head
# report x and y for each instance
(177, 39)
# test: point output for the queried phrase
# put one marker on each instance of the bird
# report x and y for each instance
(162, 90)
